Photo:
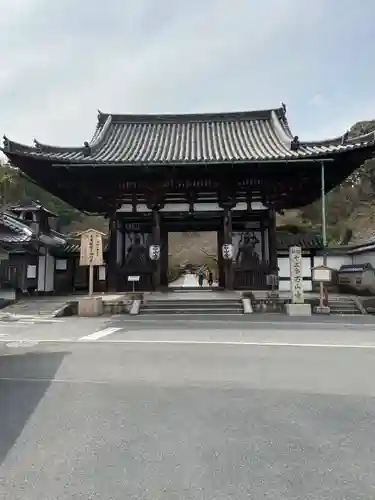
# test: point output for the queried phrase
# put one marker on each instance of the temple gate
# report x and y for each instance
(224, 172)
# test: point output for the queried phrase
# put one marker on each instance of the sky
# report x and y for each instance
(62, 60)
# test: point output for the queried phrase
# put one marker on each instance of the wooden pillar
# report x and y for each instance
(123, 237)
(154, 197)
(264, 256)
(220, 260)
(227, 239)
(156, 240)
(272, 241)
(112, 255)
(164, 258)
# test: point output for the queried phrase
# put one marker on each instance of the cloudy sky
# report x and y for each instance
(61, 60)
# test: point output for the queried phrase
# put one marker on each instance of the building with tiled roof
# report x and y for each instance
(156, 172)
(26, 241)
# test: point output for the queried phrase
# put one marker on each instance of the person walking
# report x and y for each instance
(200, 277)
(210, 278)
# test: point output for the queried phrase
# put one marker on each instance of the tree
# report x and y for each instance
(16, 189)
(349, 203)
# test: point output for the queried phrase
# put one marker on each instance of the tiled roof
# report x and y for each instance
(307, 241)
(13, 231)
(191, 138)
(72, 247)
(58, 237)
(355, 268)
(53, 239)
(34, 206)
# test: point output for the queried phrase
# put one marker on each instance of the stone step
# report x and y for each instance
(192, 306)
(343, 308)
(191, 303)
(210, 312)
(344, 305)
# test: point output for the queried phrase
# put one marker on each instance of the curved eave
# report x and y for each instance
(195, 139)
(49, 151)
(311, 153)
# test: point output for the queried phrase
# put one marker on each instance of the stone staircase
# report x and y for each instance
(193, 304)
(344, 305)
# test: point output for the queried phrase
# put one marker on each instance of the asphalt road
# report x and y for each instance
(260, 416)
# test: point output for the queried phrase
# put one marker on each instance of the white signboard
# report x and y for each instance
(61, 264)
(91, 248)
(296, 275)
(133, 278)
(322, 274)
(102, 273)
(227, 251)
(31, 272)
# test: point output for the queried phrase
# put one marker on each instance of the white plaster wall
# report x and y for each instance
(46, 273)
(41, 273)
(333, 261)
(176, 207)
(50, 273)
(365, 257)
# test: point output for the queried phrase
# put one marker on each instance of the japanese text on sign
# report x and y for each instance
(154, 252)
(296, 275)
(91, 249)
(227, 251)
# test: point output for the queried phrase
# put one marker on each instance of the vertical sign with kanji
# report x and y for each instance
(91, 253)
(296, 274)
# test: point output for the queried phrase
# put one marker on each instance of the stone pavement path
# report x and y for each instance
(189, 280)
(35, 306)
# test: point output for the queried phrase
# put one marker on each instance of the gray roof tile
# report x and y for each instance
(307, 241)
(13, 230)
(191, 138)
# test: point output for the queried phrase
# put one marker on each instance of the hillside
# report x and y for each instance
(15, 189)
(351, 206)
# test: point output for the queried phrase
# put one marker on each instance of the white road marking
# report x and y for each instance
(22, 343)
(55, 380)
(239, 343)
(245, 321)
(30, 321)
(9, 338)
(108, 331)
(100, 334)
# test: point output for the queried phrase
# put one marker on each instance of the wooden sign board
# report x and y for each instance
(322, 274)
(91, 253)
